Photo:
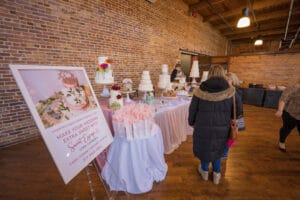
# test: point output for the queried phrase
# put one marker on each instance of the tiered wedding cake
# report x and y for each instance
(164, 77)
(115, 100)
(195, 70)
(104, 71)
(146, 84)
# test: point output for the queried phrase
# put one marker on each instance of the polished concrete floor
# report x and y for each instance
(255, 169)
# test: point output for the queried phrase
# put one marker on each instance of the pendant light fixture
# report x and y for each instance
(245, 20)
(258, 41)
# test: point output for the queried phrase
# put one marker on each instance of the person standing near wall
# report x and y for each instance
(289, 111)
(210, 113)
(177, 72)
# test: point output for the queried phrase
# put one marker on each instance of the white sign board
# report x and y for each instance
(66, 111)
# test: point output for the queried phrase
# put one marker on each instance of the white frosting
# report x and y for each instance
(104, 77)
(145, 84)
(195, 69)
(148, 87)
(164, 69)
(146, 73)
(113, 98)
(164, 78)
(146, 81)
(163, 81)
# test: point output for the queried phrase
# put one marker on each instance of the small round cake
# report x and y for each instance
(127, 84)
(115, 100)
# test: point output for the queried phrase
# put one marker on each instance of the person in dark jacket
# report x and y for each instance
(177, 72)
(210, 113)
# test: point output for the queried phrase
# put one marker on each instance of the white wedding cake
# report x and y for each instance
(195, 69)
(146, 84)
(164, 77)
(104, 73)
(115, 100)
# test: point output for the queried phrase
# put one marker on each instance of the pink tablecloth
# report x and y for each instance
(173, 121)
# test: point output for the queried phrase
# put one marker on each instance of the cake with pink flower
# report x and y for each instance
(104, 72)
(115, 100)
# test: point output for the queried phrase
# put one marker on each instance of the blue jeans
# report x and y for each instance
(225, 152)
(216, 165)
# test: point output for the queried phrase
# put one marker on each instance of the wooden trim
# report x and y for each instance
(266, 53)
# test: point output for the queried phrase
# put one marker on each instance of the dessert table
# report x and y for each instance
(171, 117)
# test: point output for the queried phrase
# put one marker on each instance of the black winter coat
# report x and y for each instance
(210, 113)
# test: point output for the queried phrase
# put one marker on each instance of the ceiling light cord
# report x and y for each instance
(289, 17)
(252, 12)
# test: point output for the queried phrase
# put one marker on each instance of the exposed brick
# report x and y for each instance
(277, 69)
(136, 35)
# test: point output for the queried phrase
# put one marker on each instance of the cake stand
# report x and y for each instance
(105, 91)
(127, 92)
(194, 80)
(145, 93)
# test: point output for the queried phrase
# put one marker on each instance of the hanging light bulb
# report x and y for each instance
(244, 21)
(258, 42)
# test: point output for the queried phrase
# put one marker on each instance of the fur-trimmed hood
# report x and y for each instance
(215, 96)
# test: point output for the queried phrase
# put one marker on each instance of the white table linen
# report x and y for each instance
(134, 164)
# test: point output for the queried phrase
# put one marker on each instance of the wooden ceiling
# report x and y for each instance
(268, 19)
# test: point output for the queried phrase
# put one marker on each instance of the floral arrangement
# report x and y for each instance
(116, 87)
(134, 112)
(104, 67)
(127, 81)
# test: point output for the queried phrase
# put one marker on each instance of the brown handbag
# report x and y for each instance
(234, 129)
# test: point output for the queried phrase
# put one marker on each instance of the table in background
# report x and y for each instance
(272, 98)
(261, 97)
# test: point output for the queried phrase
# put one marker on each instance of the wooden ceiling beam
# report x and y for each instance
(271, 24)
(275, 15)
(273, 37)
(265, 33)
(257, 5)
(203, 4)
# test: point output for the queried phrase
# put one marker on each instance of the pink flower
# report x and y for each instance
(104, 65)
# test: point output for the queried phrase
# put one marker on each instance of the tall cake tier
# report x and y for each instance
(195, 69)
(164, 77)
(104, 72)
(164, 69)
(146, 84)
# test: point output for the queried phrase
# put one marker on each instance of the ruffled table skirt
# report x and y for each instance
(133, 165)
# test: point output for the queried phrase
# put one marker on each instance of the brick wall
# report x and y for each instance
(268, 69)
(135, 34)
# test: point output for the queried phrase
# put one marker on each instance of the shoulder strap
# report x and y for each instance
(234, 109)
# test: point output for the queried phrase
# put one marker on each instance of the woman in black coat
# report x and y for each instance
(210, 113)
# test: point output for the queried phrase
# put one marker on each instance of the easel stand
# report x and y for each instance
(111, 195)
